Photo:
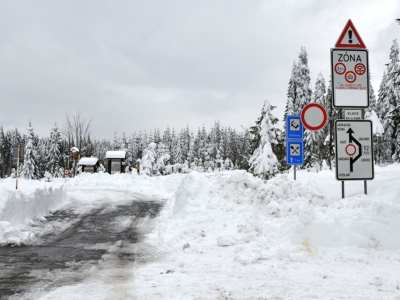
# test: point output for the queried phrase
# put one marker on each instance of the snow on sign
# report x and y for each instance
(350, 78)
(314, 116)
(354, 151)
(349, 38)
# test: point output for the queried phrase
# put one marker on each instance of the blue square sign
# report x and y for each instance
(294, 127)
(294, 152)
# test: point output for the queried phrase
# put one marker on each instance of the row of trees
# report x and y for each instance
(203, 149)
(260, 149)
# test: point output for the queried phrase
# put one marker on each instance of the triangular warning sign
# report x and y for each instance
(349, 38)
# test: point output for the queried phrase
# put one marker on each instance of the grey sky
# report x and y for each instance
(133, 65)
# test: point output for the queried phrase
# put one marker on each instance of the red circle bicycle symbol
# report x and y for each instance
(350, 149)
(340, 68)
(360, 69)
(350, 76)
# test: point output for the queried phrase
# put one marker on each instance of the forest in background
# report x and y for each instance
(259, 149)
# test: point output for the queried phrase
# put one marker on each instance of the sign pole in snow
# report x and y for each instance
(365, 187)
(350, 91)
(342, 189)
(294, 142)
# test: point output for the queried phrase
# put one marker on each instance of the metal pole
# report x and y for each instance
(294, 172)
(365, 188)
(342, 189)
(331, 141)
(16, 173)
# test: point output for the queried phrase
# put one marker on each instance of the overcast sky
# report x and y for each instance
(134, 65)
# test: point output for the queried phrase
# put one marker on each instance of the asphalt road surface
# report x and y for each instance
(22, 267)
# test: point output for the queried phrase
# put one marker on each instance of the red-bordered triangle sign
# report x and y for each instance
(349, 38)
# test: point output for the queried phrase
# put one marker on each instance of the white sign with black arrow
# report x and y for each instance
(354, 151)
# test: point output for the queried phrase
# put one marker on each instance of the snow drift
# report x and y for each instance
(18, 208)
(220, 230)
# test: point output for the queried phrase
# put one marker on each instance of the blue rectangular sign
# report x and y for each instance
(295, 152)
(294, 127)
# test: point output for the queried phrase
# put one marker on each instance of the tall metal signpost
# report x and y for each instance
(350, 93)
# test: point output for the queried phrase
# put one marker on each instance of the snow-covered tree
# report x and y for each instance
(372, 99)
(388, 105)
(292, 103)
(299, 92)
(303, 80)
(5, 153)
(117, 142)
(29, 169)
(377, 130)
(163, 158)
(148, 163)
(54, 158)
(41, 157)
(264, 162)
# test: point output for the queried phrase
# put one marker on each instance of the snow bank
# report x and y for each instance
(219, 230)
(302, 209)
(229, 235)
(33, 199)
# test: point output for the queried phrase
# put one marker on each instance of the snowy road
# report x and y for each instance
(57, 260)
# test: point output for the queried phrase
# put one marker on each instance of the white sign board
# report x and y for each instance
(354, 150)
(350, 78)
(353, 114)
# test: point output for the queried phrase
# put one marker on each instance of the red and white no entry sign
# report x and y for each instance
(314, 116)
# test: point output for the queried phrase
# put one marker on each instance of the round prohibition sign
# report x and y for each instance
(314, 117)
(350, 76)
(350, 149)
(359, 69)
(340, 68)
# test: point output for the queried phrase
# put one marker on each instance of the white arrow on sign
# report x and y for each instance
(354, 151)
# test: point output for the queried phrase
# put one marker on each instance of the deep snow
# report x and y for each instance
(229, 235)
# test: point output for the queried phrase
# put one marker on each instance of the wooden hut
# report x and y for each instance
(116, 161)
(89, 164)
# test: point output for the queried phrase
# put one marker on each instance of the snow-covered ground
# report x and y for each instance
(229, 235)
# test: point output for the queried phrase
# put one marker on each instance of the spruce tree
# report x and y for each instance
(54, 159)
(264, 162)
(29, 168)
(299, 91)
(148, 163)
(389, 102)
